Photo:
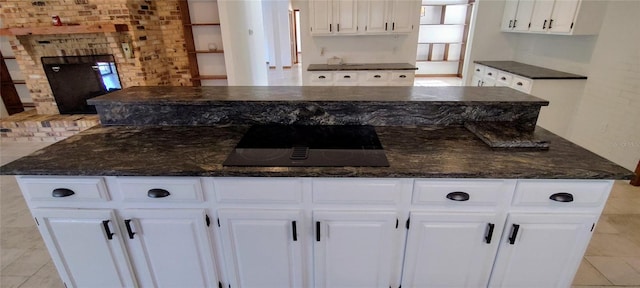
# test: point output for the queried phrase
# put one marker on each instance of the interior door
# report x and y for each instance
(263, 248)
(355, 249)
(86, 246)
(170, 247)
(451, 249)
(541, 250)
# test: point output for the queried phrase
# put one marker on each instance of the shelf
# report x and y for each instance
(440, 61)
(209, 77)
(452, 43)
(9, 58)
(17, 82)
(202, 24)
(65, 29)
(206, 52)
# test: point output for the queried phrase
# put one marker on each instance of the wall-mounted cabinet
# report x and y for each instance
(362, 17)
(568, 17)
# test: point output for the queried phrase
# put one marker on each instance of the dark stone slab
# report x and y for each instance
(450, 152)
(506, 135)
(361, 67)
(529, 71)
(378, 106)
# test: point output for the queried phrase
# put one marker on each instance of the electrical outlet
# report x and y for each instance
(126, 49)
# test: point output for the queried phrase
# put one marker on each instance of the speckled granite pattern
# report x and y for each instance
(529, 71)
(378, 106)
(412, 152)
(506, 135)
(361, 67)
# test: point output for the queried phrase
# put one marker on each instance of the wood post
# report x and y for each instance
(635, 181)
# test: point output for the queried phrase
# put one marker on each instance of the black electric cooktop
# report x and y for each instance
(297, 145)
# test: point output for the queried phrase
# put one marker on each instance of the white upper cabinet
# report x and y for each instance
(335, 17)
(569, 17)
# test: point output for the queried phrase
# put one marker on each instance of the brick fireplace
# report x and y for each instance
(154, 32)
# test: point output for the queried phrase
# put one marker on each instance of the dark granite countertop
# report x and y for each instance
(361, 67)
(448, 152)
(529, 71)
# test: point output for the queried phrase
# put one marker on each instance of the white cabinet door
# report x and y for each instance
(523, 15)
(377, 16)
(86, 247)
(562, 17)
(451, 249)
(476, 81)
(541, 250)
(345, 16)
(320, 16)
(263, 248)
(170, 247)
(355, 249)
(404, 15)
(509, 14)
(541, 15)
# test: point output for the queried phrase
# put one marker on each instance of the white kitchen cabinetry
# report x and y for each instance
(333, 17)
(263, 247)
(354, 249)
(363, 78)
(563, 95)
(170, 247)
(405, 12)
(75, 236)
(568, 17)
(541, 250)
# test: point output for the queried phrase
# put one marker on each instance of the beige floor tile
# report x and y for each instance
(628, 225)
(20, 237)
(634, 262)
(611, 245)
(588, 275)
(604, 226)
(43, 282)
(622, 206)
(17, 268)
(12, 281)
(8, 255)
(616, 269)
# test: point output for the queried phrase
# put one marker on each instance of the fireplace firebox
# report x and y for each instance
(74, 79)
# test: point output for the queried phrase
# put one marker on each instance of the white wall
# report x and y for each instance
(608, 118)
(276, 26)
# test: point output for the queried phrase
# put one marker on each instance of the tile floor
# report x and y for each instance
(612, 259)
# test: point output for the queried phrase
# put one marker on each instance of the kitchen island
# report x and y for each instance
(146, 197)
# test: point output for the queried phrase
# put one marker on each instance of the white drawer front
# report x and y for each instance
(346, 78)
(259, 191)
(352, 191)
(490, 73)
(402, 78)
(521, 84)
(160, 189)
(539, 193)
(90, 189)
(478, 70)
(480, 193)
(322, 78)
(504, 79)
(376, 78)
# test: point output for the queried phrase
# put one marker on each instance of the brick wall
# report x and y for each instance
(155, 34)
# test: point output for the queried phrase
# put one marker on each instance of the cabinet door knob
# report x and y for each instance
(514, 23)
(489, 235)
(62, 192)
(510, 21)
(329, 27)
(107, 230)
(562, 197)
(377, 76)
(458, 196)
(321, 77)
(318, 231)
(514, 233)
(544, 25)
(294, 230)
(550, 23)
(338, 27)
(403, 76)
(158, 193)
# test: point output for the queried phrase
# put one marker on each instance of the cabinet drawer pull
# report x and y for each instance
(490, 74)
(62, 192)
(503, 78)
(347, 76)
(158, 193)
(377, 76)
(321, 77)
(105, 224)
(514, 233)
(562, 197)
(318, 231)
(458, 196)
(127, 223)
(489, 235)
(403, 76)
(519, 83)
(477, 70)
